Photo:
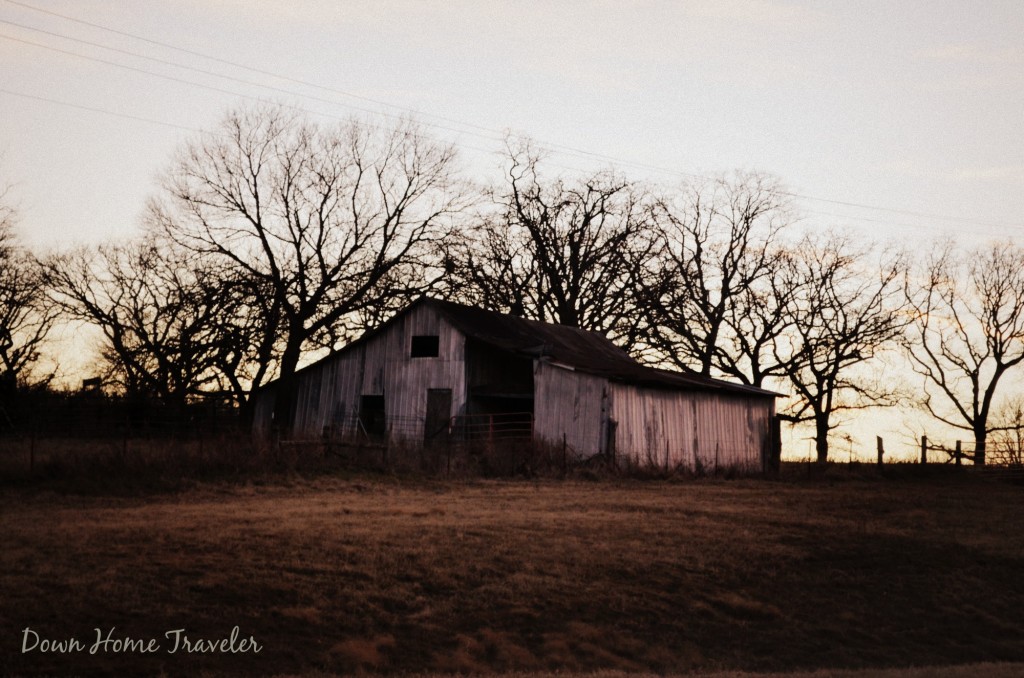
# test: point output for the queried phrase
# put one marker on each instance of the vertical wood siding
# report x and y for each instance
(262, 412)
(329, 393)
(653, 427)
(407, 379)
(691, 430)
(568, 403)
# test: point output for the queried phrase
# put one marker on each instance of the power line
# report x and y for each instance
(152, 121)
(163, 76)
(202, 71)
(245, 67)
(492, 136)
(211, 87)
(569, 150)
(485, 133)
(191, 83)
(162, 123)
(920, 227)
(98, 110)
(923, 215)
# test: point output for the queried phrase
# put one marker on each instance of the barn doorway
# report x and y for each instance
(439, 414)
(371, 415)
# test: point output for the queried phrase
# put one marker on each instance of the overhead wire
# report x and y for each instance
(245, 67)
(192, 83)
(93, 109)
(406, 110)
(483, 132)
(162, 123)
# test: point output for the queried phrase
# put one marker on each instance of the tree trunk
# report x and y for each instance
(979, 448)
(284, 396)
(821, 439)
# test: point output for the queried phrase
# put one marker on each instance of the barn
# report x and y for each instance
(440, 369)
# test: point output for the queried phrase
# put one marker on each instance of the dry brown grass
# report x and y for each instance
(378, 575)
(984, 670)
(140, 466)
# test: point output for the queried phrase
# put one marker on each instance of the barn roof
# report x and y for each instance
(569, 347)
(581, 350)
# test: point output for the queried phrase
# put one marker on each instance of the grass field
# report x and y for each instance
(381, 575)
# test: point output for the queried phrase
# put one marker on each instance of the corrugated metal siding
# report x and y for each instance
(568, 403)
(691, 430)
(329, 393)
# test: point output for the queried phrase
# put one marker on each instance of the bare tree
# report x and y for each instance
(847, 311)
(328, 224)
(761, 316)
(26, 316)
(968, 333)
(725, 278)
(573, 252)
(170, 326)
(1006, 445)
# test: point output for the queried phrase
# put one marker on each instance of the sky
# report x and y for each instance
(900, 120)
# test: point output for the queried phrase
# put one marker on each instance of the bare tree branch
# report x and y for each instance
(570, 252)
(725, 278)
(849, 309)
(326, 225)
(172, 328)
(968, 332)
(26, 314)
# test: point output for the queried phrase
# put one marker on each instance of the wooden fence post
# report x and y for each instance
(881, 449)
(957, 453)
(924, 449)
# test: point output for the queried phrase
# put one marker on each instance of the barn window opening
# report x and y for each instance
(371, 415)
(425, 346)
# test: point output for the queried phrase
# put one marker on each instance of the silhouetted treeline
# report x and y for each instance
(276, 237)
(41, 412)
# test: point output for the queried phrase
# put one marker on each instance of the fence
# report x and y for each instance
(78, 434)
(996, 454)
(410, 430)
(47, 433)
(506, 426)
(499, 444)
(85, 416)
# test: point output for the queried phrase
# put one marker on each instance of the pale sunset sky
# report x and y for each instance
(900, 120)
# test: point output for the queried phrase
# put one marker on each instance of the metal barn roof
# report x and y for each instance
(569, 347)
(582, 350)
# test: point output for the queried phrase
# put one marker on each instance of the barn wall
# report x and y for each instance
(406, 379)
(568, 403)
(328, 394)
(678, 429)
(263, 411)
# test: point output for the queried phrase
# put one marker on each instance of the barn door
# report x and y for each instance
(439, 413)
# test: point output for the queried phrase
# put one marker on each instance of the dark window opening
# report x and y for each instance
(371, 415)
(425, 346)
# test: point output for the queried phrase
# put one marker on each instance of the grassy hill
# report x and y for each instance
(381, 575)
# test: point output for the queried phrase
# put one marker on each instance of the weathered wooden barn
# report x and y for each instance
(439, 368)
